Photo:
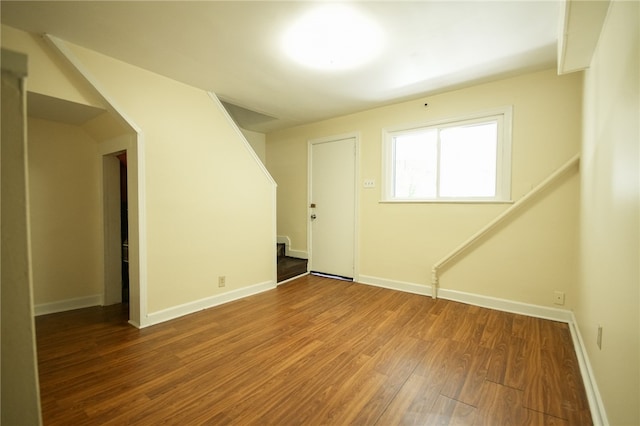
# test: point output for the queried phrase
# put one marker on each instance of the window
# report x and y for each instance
(466, 159)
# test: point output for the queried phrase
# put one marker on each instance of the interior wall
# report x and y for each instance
(258, 143)
(610, 214)
(19, 390)
(66, 211)
(529, 256)
(48, 74)
(399, 242)
(209, 205)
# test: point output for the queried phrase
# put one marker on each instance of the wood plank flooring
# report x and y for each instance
(314, 351)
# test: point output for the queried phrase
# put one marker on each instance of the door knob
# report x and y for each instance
(313, 216)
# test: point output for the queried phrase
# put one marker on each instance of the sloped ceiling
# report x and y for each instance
(581, 23)
(235, 49)
(63, 111)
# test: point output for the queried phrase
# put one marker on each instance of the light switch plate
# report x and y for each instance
(369, 183)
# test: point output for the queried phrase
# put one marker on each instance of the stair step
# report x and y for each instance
(289, 267)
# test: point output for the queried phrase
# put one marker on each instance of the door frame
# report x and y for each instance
(356, 209)
(131, 144)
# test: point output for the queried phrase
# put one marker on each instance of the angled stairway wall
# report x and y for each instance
(207, 205)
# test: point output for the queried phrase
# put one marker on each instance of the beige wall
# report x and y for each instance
(66, 168)
(66, 211)
(209, 205)
(531, 255)
(48, 73)
(610, 254)
(19, 391)
(536, 253)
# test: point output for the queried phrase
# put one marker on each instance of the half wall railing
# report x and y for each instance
(465, 246)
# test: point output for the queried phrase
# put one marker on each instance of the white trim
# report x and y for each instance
(596, 406)
(505, 305)
(274, 232)
(442, 263)
(288, 251)
(142, 236)
(308, 208)
(298, 254)
(356, 210)
(443, 201)
(450, 120)
(512, 306)
(503, 116)
(406, 287)
(68, 305)
(246, 143)
(283, 239)
(208, 302)
(580, 26)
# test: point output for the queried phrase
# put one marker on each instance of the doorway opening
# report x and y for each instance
(116, 228)
(124, 226)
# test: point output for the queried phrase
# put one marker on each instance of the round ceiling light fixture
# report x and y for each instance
(333, 37)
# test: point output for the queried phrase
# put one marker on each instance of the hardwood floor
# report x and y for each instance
(313, 351)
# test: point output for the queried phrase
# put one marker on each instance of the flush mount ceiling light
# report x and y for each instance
(333, 37)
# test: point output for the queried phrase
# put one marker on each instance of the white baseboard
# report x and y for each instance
(288, 251)
(208, 302)
(472, 299)
(506, 305)
(68, 305)
(424, 290)
(134, 323)
(297, 254)
(283, 239)
(596, 406)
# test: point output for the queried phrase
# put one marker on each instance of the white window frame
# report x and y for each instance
(502, 115)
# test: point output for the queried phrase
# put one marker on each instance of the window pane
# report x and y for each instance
(468, 160)
(415, 165)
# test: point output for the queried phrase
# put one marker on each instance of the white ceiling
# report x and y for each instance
(234, 48)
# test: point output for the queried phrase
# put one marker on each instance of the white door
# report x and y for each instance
(332, 206)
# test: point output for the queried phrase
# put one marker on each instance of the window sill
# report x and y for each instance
(445, 202)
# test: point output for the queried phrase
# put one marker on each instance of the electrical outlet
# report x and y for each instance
(369, 183)
(558, 298)
(599, 338)
(222, 280)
